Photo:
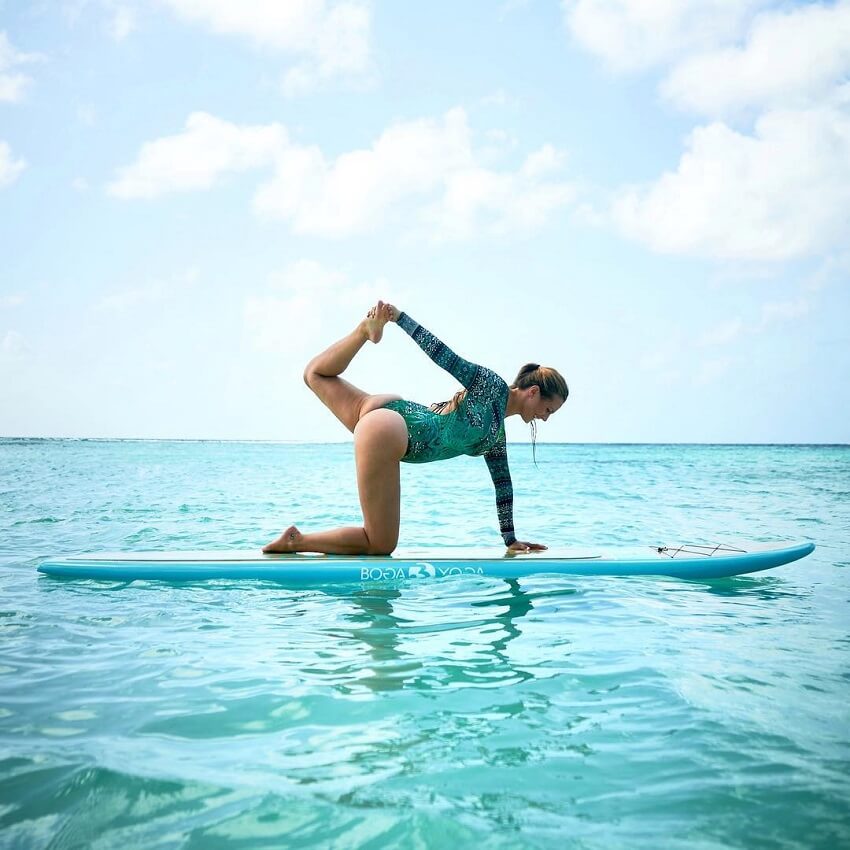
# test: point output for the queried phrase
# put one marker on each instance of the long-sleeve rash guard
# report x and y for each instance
(476, 427)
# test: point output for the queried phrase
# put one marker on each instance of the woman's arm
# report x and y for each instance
(497, 463)
(439, 352)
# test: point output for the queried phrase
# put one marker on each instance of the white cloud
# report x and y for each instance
(13, 84)
(352, 193)
(10, 168)
(778, 191)
(299, 305)
(332, 39)
(197, 158)
(792, 58)
(542, 162)
(781, 193)
(433, 161)
(428, 164)
(341, 50)
(499, 142)
(14, 300)
(479, 199)
(631, 35)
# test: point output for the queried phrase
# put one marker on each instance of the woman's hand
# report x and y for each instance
(522, 546)
(391, 313)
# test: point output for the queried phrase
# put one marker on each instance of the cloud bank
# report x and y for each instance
(425, 172)
(768, 176)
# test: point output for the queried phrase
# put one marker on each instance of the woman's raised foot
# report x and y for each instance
(287, 542)
(376, 318)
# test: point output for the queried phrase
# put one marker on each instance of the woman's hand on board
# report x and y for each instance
(522, 546)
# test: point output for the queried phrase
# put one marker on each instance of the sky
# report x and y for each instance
(197, 196)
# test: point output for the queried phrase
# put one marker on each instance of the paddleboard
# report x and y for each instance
(687, 561)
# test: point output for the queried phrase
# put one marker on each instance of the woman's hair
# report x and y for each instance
(550, 381)
(449, 405)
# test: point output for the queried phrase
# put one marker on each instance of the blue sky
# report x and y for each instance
(198, 195)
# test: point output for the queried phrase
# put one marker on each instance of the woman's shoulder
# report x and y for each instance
(490, 380)
(487, 389)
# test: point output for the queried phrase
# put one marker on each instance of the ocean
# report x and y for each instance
(562, 712)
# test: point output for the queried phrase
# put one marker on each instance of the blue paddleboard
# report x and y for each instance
(690, 561)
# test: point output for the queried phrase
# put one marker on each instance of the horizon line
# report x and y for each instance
(824, 444)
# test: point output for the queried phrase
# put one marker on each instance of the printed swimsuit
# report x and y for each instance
(476, 427)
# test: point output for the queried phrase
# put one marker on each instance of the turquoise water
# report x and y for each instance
(583, 712)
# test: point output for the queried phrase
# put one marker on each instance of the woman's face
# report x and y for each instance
(538, 407)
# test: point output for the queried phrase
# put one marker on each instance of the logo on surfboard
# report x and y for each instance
(419, 570)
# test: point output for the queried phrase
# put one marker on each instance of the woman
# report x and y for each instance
(388, 429)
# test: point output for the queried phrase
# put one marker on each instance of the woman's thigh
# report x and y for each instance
(343, 399)
(348, 403)
(380, 442)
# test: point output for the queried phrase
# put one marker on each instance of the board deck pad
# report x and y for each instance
(689, 561)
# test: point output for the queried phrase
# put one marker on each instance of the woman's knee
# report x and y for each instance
(311, 375)
(321, 384)
(382, 535)
(383, 547)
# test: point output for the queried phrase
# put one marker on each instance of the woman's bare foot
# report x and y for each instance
(287, 542)
(375, 320)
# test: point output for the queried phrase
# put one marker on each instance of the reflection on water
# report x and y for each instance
(394, 629)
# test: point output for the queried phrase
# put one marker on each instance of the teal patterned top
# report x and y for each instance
(476, 427)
